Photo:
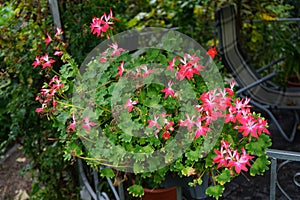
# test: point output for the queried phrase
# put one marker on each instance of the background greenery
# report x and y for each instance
(25, 23)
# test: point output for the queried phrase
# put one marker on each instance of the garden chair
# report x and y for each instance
(263, 94)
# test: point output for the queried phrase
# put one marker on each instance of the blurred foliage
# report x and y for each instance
(264, 39)
(23, 27)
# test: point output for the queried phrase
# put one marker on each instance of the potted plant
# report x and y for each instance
(291, 68)
(150, 104)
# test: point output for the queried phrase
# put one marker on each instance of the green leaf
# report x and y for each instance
(224, 177)
(136, 190)
(215, 191)
(192, 155)
(132, 22)
(137, 168)
(125, 137)
(107, 172)
(187, 171)
(260, 166)
(153, 162)
(74, 148)
(66, 71)
(259, 147)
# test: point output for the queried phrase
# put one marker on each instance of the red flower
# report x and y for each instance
(166, 135)
(212, 52)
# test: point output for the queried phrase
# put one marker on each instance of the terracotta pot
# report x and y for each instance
(160, 194)
(294, 82)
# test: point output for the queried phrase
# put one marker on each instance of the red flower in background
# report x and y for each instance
(212, 52)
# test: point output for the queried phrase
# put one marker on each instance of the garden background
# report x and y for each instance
(24, 24)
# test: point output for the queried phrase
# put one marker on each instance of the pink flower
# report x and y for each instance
(154, 122)
(261, 126)
(130, 104)
(98, 26)
(59, 32)
(56, 83)
(187, 71)
(103, 59)
(121, 69)
(116, 50)
(146, 71)
(58, 53)
(169, 125)
(212, 52)
(48, 39)
(230, 117)
(109, 16)
(201, 130)
(171, 64)
(168, 90)
(240, 162)
(249, 125)
(47, 61)
(54, 103)
(87, 124)
(188, 122)
(221, 156)
(209, 101)
(188, 67)
(38, 110)
(72, 126)
(37, 62)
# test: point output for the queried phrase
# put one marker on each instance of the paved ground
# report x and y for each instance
(248, 188)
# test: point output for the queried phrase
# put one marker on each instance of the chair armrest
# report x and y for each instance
(263, 79)
(270, 64)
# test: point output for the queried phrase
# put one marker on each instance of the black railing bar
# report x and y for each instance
(278, 20)
(284, 155)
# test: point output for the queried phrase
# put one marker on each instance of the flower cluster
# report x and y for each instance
(128, 97)
(227, 157)
(102, 24)
(46, 61)
(47, 95)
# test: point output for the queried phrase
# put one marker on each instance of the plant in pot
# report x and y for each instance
(149, 105)
(291, 66)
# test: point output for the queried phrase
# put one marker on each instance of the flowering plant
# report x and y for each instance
(156, 108)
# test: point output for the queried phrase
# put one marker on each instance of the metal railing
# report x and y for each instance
(287, 157)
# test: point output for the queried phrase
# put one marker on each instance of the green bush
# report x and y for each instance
(23, 26)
